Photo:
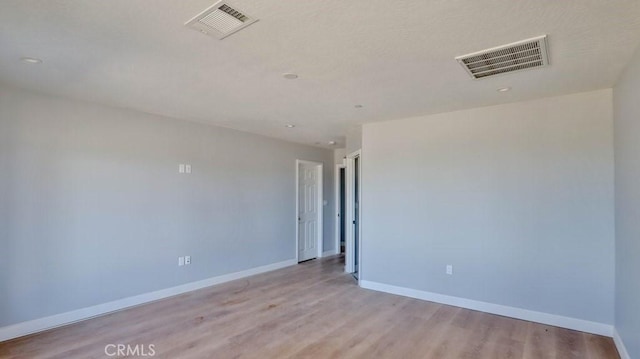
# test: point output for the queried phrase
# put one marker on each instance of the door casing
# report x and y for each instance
(350, 209)
(338, 214)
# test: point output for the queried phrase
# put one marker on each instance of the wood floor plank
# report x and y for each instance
(312, 310)
(600, 347)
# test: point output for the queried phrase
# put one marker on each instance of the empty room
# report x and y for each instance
(320, 179)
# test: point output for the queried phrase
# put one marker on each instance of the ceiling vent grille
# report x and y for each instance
(521, 55)
(220, 20)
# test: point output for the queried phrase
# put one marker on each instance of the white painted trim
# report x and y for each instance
(349, 247)
(297, 213)
(329, 253)
(337, 214)
(622, 350)
(320, 209)
(518, 313)
(41, 324)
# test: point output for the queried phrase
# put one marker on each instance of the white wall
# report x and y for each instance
(627, 154)
(339, 155)
(518, 198)
(92, 208)
(354, 139)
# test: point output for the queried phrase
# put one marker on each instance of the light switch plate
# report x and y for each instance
(181, 261)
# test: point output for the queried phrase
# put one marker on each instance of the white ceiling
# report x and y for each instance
(396, 58)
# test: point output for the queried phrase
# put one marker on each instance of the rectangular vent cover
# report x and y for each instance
(521, 55)
(220, 20)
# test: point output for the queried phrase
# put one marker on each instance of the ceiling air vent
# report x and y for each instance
(220, 20)
(521, 55)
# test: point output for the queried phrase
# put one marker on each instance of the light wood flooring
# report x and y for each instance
(312, 310)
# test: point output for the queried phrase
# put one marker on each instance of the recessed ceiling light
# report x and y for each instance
(504, 89)
(290, 76)
(289, 126)
(358, 106)
(332, 142)
(30, 60)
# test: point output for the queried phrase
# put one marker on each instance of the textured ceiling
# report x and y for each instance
(396, 58)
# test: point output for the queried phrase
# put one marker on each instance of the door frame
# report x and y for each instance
(320, 171)
(338, 214)
(349, 247)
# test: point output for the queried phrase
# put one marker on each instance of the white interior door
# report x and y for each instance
(308, 212)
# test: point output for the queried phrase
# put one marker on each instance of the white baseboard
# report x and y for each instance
(329, 253)
(518, 313)
(38, 325)
(622, 350)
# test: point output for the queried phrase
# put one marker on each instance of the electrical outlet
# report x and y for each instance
(449, 269)
(180, 261)
(187, 260)
(187, 168)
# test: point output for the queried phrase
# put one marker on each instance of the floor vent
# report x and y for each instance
(518, 56)
(220, 20)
